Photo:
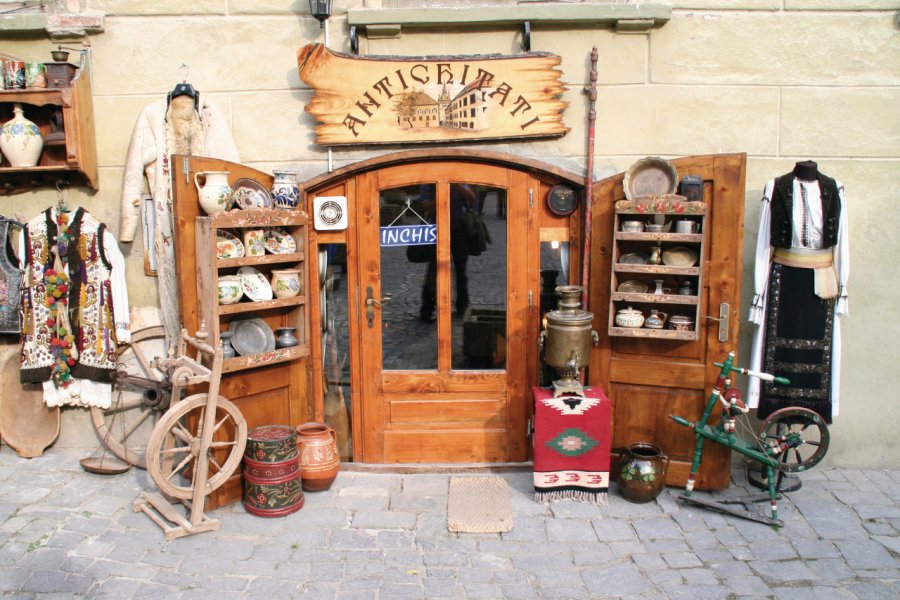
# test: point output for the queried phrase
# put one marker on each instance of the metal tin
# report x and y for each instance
(272, 484)
(681, 323)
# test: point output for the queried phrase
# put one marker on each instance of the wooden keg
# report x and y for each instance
(272, 484)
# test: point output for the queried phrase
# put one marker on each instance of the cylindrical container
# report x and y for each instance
(14, 74)
(272, 485)
(319, 458)
(285, 191)
(35, 75)
(642, 472)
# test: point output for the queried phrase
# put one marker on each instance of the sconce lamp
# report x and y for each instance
(321, 10)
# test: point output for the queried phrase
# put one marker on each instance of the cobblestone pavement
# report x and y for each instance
(67, 533)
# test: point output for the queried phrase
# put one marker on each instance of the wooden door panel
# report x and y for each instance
(413, 412)
(436, 446)
(396, 382)
(650, 379)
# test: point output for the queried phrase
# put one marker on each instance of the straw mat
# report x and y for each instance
(479, 505)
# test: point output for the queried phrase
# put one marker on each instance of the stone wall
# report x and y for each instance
(782, 80)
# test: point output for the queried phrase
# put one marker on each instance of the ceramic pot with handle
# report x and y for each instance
(656, 320)
(215, 193)
(642, 472)
(629, 317)
(319, 458)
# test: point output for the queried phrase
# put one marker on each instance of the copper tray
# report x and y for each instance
(651, 176)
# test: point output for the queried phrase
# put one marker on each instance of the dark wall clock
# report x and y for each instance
(562, 200)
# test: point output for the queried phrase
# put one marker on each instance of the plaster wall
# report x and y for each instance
(782, 80)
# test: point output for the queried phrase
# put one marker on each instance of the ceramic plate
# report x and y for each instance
(651, 176)
(228, 246)
(249, 193)
(679, 256)
(633, 286)
(250, 335)
(633, 258)
(255, 285)
(279, 241)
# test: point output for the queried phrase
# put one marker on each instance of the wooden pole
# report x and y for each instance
(589, 180)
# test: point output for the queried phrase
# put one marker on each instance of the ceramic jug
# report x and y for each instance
(215, 193)
(20, 140)
(319, 458)
(656, 320)
(285, 192)
(642, 472)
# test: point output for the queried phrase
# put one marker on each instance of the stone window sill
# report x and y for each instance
(56, 26)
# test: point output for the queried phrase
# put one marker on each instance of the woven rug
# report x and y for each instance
(571, 446)
(479, 505)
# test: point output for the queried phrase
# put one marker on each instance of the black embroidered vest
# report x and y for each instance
(783, 210)
(10, 284)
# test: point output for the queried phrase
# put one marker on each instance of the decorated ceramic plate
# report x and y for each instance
(255, 284)
(679, 256)
(250, 335)
(279, 241)
(249, 193)
(651, 176)
(633, 286)
(633, 258)
(228, 245)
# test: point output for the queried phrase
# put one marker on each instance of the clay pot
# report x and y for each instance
(642, 472)
(319, 458)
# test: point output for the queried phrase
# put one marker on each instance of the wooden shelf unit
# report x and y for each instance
(71, 158)
(670, 301)
(277, 312)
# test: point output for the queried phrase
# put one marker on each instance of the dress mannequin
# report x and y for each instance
(802, 267)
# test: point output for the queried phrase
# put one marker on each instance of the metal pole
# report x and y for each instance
(589, 180)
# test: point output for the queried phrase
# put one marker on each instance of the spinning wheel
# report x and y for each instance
(800, 435)
(141, 394)
(176, 445)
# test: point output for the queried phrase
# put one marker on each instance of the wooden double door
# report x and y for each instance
(442, 313)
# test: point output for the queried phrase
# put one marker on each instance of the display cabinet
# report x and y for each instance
(65, 116)
(270, 314)
(657, 270)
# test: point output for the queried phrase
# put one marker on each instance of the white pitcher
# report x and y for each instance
(215, 193)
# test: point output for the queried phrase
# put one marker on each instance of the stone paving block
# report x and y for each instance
(427, 485)
(773, 550)
(666, 545)
(353, 595)
(562, 593)
(41, 557)
(594, 554)
(665, 578)
(353, 583)
(818, 592)
(649, 562)
(482, 590)
(892, 543)
(444, 559)
(831, 570)
(395, 590)
(780, 572)
(155, 591)
(619, 508)
(868, 512)
(175, 579)
(729, 568)
(117, 588)
(627, 548)
(252, 567)
(681, 560)
(308, 537)
(273, 587)
(352, 539)
(12, 578)
(518, 591)
(357, 502)
(528, 527)
(617, 580)
(442, 587)
(571, 509)
(813, 549)
(655, 529)
(383, 519)
(198, 595)
(696, 592)
(747, 585)
(866, 555)
(612, 529)
(222, 583)
(570, 530)
(698, 576)
(414, 503)
(333, 572)
(382, 481)
(879, 528)
(873, 590)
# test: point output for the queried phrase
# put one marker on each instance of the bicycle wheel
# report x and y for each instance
(175, 446)
(140, 395)
(801, 434)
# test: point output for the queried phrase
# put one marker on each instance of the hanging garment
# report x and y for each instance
(801, 274)
(10, 283)
(154, 140)
(77, 319)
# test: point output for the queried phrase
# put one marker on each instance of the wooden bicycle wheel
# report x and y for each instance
(801, 434)
(175, 446)
(138, 401)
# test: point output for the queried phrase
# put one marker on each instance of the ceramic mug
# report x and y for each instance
(254, 242)
(687, 226)
(14, 75)
(35, 75)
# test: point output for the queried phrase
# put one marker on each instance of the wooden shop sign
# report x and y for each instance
(369, 100)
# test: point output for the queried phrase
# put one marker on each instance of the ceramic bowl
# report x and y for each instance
(286, 283)
(230, 290)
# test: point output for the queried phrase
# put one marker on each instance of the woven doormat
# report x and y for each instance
(479, 505)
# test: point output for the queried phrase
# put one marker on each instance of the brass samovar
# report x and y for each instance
(567, 339)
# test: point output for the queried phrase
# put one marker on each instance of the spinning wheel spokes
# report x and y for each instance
(140, 395)
(182, 424)
(800, 436)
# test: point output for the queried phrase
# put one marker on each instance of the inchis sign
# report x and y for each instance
(369, 100)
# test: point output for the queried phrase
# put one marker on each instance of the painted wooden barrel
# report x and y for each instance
(272, 484)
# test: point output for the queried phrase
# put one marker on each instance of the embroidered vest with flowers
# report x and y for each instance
(68, 330)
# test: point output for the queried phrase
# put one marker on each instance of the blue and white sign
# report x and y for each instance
(408, 235)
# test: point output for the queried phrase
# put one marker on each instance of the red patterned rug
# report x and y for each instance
(571, 446)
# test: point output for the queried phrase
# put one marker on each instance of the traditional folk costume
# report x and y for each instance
(169, 126)
(802, 268)
(10, 283)
(75, 307)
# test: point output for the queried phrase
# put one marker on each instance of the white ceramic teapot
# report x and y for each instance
(215, 193)
(629, 317)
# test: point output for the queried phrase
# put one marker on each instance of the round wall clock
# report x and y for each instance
(562, 200)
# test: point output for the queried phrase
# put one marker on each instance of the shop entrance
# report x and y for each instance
(442, 295)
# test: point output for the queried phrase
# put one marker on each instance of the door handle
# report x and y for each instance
(724, 312)
(371, 303)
